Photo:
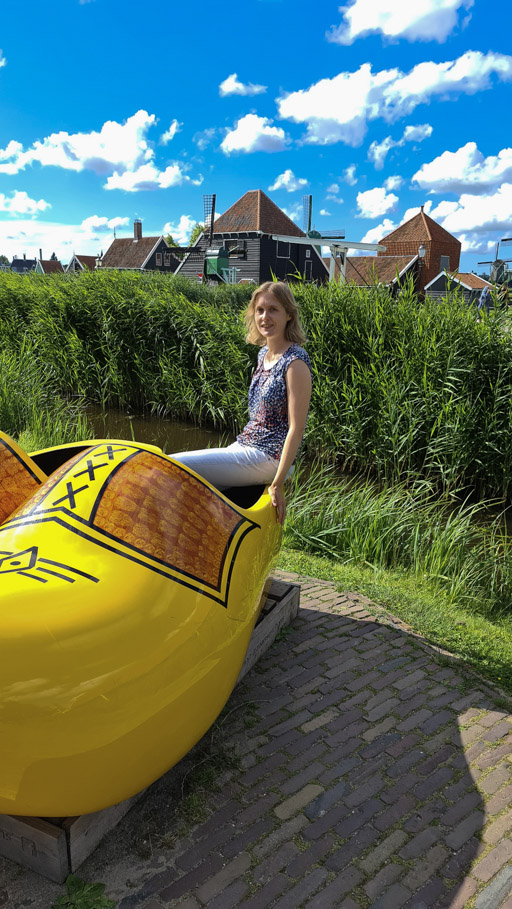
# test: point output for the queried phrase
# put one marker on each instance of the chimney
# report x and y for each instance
(24, 255)
(137, 230)
(40, 255)
(421, 207)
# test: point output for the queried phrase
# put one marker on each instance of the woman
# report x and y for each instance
(279, 397)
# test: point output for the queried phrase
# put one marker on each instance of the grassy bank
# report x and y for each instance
(436, 566)
(401, 389)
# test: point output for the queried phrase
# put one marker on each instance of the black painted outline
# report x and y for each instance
(21, 461)
(45, 519)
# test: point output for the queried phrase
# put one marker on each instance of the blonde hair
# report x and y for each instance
(293, 331)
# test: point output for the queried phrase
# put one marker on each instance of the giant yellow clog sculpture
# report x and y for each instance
(129, 589)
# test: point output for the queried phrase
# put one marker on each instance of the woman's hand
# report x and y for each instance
(276, 492)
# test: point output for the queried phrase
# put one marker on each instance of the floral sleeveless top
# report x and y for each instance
(268, 403)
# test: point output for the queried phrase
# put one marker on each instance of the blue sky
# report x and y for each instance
(115, 110)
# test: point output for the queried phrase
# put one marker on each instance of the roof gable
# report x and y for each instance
(254, 211)
(129, 253)
(366, 270)
(50, 266)
(419, 228)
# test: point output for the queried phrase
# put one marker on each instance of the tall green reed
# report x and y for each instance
(401, 389)
(409, 528)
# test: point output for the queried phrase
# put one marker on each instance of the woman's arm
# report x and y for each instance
(298, 386)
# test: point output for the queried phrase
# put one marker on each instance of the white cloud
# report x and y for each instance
(21, 204)
(476, 214)
(375, 202)
(232, 86)
(417, 133)
(204, 138)
(339, 109)
(148, 177)
(3, 61)
(466, 170)
(295, 212)
(289, 182)
(29, 236)
(169, 134)
(325, 213)
(333, 188)
(375, 234)
(180, 230)
(378, 150)
(330, 197)
(116, 147)
(95, 224)
(426, 20)
(394, 182)
(349, 175)
(252, 134)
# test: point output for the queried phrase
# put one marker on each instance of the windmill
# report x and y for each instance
(499, 272)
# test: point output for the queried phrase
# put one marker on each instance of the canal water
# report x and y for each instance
(169, 435)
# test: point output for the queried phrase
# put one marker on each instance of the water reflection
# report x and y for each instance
(169, 435)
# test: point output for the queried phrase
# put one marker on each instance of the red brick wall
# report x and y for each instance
(434, 250)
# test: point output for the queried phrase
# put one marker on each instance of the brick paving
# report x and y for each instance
(373, 773)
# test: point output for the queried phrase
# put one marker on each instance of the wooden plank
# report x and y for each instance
(85, 832)
(35, 843)
(266, 632)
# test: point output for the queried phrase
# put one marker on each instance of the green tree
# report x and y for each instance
(196, 232)
(4, 260)
(171, 241)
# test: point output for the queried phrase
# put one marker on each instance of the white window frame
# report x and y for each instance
(280, 255)
(159, 258)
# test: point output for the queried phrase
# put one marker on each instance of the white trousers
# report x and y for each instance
(236, 465)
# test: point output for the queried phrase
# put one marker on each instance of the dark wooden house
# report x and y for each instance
(246, 230)
(469, 285)
(23, 266)
(140, 253)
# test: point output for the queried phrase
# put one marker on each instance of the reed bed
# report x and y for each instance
(409, 528)
(31, 410)
(402, 389)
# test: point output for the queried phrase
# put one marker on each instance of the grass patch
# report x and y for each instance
(483, 643)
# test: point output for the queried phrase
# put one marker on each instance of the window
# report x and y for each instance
(445, 263)
(237, 249)
(308, 254)
(167, 259)
(159, 258)
(283, 250)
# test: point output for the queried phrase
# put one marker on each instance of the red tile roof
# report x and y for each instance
(471, 280)
(128, 253)
(88, 262)
(365, 270)
(256, 212)
(419, 227)
(50, 266)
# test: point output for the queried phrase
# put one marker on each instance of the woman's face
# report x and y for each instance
(270, 317)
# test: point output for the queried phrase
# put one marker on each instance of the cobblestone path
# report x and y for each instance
(373, 772)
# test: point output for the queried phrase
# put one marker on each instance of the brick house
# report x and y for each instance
(442, 250)
(245, 231)
(140, 253)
